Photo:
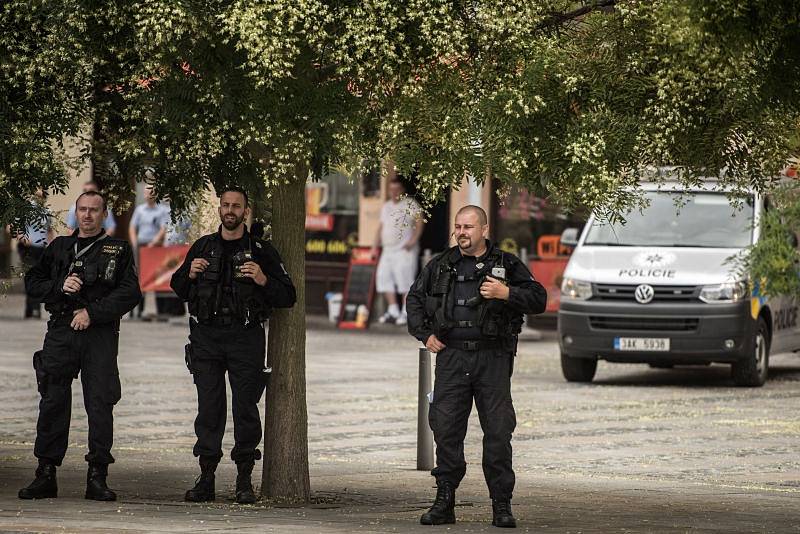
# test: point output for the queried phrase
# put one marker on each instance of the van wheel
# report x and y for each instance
(578, 369)
(752, 371)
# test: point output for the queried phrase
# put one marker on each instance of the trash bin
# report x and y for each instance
(334, 306)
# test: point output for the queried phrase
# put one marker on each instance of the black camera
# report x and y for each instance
(77, 268)
(239, 259)
(86, 273)
(498, 273)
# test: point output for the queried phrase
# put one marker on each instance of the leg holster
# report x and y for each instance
(41, 377)
(189, 357)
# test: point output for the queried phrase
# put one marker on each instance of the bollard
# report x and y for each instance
(424, 432)
(523, 256)
(150, 305)
(427, 255)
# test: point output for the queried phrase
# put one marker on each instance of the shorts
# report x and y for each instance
(397, 270)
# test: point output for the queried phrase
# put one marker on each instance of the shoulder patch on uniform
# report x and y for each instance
(112, 249)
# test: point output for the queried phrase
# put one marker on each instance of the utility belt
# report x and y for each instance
(66, 321)
(63, 310)
(60, 320)
(228, 321)
(63, 314)
(478, 344)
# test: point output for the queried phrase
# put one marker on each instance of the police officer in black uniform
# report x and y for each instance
(232, 280)
(87, 281)
(467, 306)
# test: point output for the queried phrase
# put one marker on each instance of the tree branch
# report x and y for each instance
(557, 19)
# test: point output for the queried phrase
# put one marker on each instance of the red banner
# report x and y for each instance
(156, 265)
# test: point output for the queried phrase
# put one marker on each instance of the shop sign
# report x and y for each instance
(321, 222)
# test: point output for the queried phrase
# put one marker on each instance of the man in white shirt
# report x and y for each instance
(398, 233)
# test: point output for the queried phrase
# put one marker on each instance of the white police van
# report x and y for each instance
(661, 289)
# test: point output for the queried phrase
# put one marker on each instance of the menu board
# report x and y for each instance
(359, 290)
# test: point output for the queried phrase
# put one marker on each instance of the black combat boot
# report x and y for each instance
(501, 514)
(96, 488)
(44, 486)
(203, 490)
(244, 485)
(443, 510)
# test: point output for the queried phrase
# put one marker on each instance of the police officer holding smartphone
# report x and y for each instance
(467, 306)
(231, 280)
(87, 281)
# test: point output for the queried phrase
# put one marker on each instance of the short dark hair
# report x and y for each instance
(91, 194)
(235, 189)
(482, 218)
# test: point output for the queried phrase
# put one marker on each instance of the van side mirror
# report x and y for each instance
(569, 237)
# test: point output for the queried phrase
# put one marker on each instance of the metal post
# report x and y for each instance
(424, 432)
(426, 256)
(523, 256)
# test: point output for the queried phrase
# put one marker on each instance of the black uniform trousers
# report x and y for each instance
(65, 354)
(485, 376)
(240, 351)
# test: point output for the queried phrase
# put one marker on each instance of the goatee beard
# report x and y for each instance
(231, 225)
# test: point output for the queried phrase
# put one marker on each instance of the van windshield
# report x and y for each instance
(674, 219)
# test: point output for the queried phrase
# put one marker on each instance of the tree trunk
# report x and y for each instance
(285, 478)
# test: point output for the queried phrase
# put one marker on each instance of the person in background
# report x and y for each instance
(148, 228)
(31, 245)
(399, 231)
(109, 224)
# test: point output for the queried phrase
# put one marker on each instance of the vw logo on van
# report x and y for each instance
(644, 294)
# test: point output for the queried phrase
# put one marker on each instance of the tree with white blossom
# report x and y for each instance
(569, 99)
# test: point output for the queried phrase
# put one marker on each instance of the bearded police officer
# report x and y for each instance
(87, 281)
(467, 306)
(231, 280)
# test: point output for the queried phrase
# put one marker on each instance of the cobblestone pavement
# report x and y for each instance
(639, 450)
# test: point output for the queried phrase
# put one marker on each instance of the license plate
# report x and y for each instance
(642, 344)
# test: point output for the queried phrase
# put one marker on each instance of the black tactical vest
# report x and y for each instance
(454, 302)
(220, 295)
(97, 268)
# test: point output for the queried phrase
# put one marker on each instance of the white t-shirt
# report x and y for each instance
(398, 220)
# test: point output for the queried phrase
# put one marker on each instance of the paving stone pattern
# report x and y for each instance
(639, 450)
